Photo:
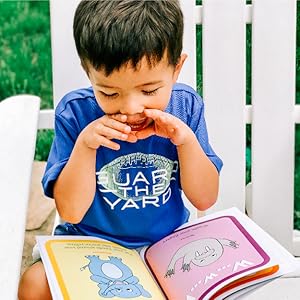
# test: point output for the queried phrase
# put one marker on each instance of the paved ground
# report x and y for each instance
(40, 214)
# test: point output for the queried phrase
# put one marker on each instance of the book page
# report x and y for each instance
(196, 260)
(96, 269)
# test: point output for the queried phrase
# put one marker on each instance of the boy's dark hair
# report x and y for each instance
(111, 33)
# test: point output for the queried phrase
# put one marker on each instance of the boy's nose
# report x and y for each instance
(131, 107)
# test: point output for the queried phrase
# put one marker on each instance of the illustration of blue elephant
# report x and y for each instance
(114, 278)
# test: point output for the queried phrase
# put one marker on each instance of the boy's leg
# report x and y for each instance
(33, 284)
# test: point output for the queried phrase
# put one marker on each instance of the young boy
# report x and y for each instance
(126, 148)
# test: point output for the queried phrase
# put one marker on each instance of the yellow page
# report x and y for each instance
(96, 269)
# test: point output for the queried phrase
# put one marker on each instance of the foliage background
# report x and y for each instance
(25, 67)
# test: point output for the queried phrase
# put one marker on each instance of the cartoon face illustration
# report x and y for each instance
(114, 278)
(124, 290)
(201, 253)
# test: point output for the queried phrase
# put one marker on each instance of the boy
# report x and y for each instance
(125, 148)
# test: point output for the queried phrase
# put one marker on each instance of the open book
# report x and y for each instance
(209, 258)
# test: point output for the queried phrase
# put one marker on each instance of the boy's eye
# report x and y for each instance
(113, 95)
(150, 93)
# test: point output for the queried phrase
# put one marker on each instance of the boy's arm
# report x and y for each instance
(198, 175)
(75, 187)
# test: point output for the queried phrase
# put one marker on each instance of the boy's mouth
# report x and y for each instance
(140, 124)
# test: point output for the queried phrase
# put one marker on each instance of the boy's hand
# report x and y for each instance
(101, 132)
(167, 126)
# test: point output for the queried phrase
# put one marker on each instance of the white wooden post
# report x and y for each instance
(188, 72)
(18, 127)
(66, 69)
(273, 99)
(224, 93)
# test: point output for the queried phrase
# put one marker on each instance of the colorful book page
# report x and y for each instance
(193, 261)
(90, 269)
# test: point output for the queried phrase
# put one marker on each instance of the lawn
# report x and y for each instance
(25, 67)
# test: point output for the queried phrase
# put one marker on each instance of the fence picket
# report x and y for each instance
(224, 64)
(273, 100)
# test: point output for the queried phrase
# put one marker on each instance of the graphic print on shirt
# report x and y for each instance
(137, 180)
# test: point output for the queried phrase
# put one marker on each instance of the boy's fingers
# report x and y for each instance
(131, 138)
(105, 142)
(119, 117)
(153, 113)
(109, 122)
(105, 131)
(160, 117)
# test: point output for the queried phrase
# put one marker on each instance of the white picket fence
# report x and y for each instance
(273, 113)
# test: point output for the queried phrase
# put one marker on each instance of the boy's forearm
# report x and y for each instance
(198, 175)
(75, 187)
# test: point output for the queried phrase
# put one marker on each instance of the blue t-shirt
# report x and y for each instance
(138, 195)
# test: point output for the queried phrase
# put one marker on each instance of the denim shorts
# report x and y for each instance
(66, 229)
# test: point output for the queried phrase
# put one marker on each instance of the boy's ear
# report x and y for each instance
(179, 65)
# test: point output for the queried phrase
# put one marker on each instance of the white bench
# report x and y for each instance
(18, 127)
(273, 112)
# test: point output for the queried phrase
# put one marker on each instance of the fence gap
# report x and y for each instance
(199, 59)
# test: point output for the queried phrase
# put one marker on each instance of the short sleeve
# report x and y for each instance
(62, 146)
(198, 125)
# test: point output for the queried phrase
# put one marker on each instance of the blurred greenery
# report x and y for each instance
(25, 67)
(25, 57)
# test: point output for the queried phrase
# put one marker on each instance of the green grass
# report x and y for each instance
(25, 57)
(25, 50)
(25, 67)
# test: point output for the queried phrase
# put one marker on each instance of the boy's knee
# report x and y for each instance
(33, 284)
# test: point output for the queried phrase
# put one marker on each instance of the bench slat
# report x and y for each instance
(18, 127)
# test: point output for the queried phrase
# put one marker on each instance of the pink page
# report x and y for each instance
(192, 261)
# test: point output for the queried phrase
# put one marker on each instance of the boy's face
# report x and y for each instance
(129, 91)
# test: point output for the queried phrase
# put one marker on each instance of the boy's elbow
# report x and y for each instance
(73, 216)
(203, 202)
(207, 203)
(73, 219)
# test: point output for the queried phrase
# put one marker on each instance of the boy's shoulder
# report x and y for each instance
(74, 97)
(186, 94)
(186, 89)
(178, 86)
